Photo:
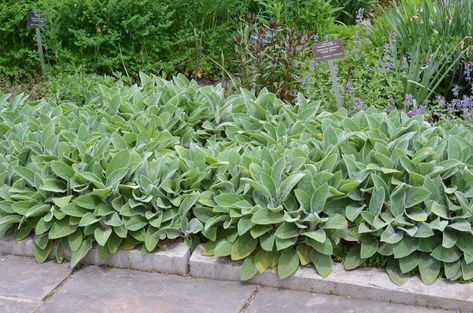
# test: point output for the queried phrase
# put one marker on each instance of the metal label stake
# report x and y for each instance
(328, 51)
(37, 21)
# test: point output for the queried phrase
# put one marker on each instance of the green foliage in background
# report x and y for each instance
(18, 52)
(314, 16)
(124, 37)
(120, 36)
(262, 181)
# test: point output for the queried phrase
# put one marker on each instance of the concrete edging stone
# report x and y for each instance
(173, 259)
(365, 283)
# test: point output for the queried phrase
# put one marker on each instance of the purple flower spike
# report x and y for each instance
(312, 65)
(416, 111)
(440, 101)
(467, 72)
(408, 101)
(455, 90)
(359, 15)
(358, 104)
(387, 49)
(349, 85)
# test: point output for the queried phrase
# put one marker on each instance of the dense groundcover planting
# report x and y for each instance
(256, 179)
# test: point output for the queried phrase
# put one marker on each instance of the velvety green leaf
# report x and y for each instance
(62, 170)
(80, 253)
(391, 236)
(318, 235)
(265, 259)
(223, 248)
(248, 269)
(288, 263)
(287, 230)
(335, 221)
(452, 270)
(416, 195)
(408, 263)
(353, 210)
(368, 247)
(461, 225)
(25, 173)
(429, 269)
(243, 247)
(257, 187)
(41, 253)
(269, 184)
(303, 252)
(88, 219)
(449, 239)
(446, 255)
(61, 229)
(322, 263)
(119, 161)
(353, 259)
(135, 223)
(417, 214)
(10, 219)
(282, 244)
(188, 202)
(115, 178)
(75, 240)
(405, 247)
(62, 202)
(394, 273)
(267, 242)
(265, 216)
(467, 270)
(102, 235)
(377, 201)
(288, 184)
(319, 198)
(348, 185)
(244, 225)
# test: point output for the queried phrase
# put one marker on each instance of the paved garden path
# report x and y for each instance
(27, 287)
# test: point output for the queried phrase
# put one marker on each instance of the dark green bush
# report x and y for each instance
(125, 36)
(18, 51)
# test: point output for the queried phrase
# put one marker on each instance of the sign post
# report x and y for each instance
(328, 51)
(37, 21)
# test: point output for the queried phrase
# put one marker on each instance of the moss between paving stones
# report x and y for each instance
(273, 184)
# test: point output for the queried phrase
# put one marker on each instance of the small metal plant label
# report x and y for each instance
(35, 20)
(328, 50)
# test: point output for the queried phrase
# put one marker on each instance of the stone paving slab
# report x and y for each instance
(24, 279)
(272, 300)
(15, 306)
(369, 284)
(100, 290)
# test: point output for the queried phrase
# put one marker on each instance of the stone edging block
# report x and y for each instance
(365, 283)
(172, 260)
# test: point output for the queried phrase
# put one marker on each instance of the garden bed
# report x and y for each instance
(256, 179)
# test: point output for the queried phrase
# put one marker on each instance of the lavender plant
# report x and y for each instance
(386, 77)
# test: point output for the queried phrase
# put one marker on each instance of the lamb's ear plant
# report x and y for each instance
(273, 185)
